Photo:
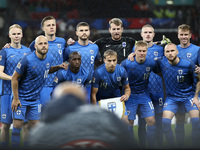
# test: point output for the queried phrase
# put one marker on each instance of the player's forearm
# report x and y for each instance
(4, 76)
(197, 89)
(93, 99)
(54, 69)
(15, 88)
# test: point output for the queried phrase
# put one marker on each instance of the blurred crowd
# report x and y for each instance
(65, 10)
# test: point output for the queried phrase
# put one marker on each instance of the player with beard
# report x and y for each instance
(89, 52)
(122, 45)
(178, 74)
(27, 82)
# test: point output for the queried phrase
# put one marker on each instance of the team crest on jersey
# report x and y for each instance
(118, 78)
(91, 51)
(124, 44)
(19, 65)
(0, 57)
(112, 106)
(155, 53)
(189, 55)
(47, 65)
(59, 45)
(18, 112)
(180, 71)
(147, 68)
(3, 116)
(79, 81)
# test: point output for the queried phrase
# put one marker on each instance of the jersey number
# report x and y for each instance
(46, 73)
(180, 78)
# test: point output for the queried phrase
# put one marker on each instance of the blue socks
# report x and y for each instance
(151, 134)
(180, 134)
(168, 131)
(15, 137)
(195, 132)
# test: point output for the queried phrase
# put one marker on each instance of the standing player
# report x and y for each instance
(178, 74)
(192, 52)
(155, 87)
(89, 52)
(75, 72)
(138, 73)
(9, 57)
(27, 82)
(56, 48)
(107, 79)
(121, 45)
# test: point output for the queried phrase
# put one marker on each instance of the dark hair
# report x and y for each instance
(82, 24)
(73, 53)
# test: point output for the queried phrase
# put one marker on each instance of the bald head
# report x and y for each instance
(72, 88)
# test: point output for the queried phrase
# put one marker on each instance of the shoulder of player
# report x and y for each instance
(128, 39)
(60, 39)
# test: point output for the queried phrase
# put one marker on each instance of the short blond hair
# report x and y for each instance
(184, 27)
(14, 26)
(147, 25)
(141, 43)
(116, 21)
(109, 53)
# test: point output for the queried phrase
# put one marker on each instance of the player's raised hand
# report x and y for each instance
(7, 45)
(64, 65)
(70, 41)
(131, 56)
(15, 104)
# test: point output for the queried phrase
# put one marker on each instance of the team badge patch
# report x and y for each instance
(79, 81)
(47, 65)
(18, 112)
(59, 45)
(113, 105)
(118, 78)
(91, 51)
(155, 53)
(189, 55)
(19, 65)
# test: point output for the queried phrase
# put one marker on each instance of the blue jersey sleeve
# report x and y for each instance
(125, 78)
(198, 57)
(66, 54)
(22, 66)
(96, 80)
(32, 46)
(2, 57)
(123, 63)
(58, 78)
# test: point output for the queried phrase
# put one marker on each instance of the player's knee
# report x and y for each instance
(5, 126)
(166, 124)
(17, 123)
(151, 121)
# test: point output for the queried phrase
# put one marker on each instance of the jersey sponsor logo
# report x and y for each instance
(18, 112)
(189, 55)
(12, 56)
(91, 51)
(124, 44)
(3, 116)
(147, 68)
(34, 67)
(107, 45)
(85, 143)
(118, 78)
(0, 57)
(47, 65)
(180, 71)
(19, 65)
(155, 53)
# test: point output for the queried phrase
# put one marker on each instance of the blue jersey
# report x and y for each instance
(108, 83)
(178, 78)
(89, 53)
(138, 74)
(191, 53)
(34, 73)
(155, 81)
(83, 77)
(56, 49)
(9, 58)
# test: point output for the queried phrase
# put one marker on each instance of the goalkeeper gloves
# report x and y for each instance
(165, 40)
